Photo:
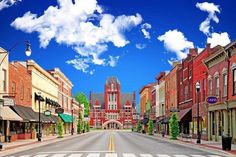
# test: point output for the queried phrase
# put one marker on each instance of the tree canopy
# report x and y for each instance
(82, 99)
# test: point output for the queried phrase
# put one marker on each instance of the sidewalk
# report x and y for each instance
(22, 145)
(204, 144)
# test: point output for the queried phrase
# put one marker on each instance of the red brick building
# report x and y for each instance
(112, 109)
(200, 75)
(217, 86)
(20, 88)
(185, 88)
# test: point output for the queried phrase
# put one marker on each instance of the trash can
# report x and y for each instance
(226, 142)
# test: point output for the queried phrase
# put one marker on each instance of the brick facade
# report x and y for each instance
(20, 84)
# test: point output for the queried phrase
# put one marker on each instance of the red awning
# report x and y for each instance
(183, 112)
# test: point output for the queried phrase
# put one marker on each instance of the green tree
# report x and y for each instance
(79, 121)
(82, 99)
(60, 128)
(139, 126)
(148, 106)
(87, 127)
(150, 127)
(174, 126)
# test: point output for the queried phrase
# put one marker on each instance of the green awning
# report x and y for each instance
(66, 118)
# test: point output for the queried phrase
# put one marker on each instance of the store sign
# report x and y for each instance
(59, 110)
(8, 102)
(212, 99)
(47, 113)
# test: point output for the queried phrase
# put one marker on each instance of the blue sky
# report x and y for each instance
(134, 40)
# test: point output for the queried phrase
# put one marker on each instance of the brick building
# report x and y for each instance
(200, 75)
(185, 90)
(112, 109)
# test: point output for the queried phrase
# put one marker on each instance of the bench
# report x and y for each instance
(186, 136)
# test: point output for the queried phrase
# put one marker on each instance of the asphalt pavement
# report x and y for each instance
(114, 144)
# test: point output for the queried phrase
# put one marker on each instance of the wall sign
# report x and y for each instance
(212, 99)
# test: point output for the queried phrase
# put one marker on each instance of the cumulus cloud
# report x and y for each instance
(144, 28)
(175, 41)
(218, 39)
(140, 46)
(82, 25)
(211, 9)
(7, 3)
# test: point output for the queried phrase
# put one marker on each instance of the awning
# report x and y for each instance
(164, 120)
(66, 118)
(8, 114)
(182, 113)
(26, 113)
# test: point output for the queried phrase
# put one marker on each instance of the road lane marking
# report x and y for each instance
(128, 155)
(43, 155)
(111, 145)
(197, 156)
(93, 155)
(146, 155)
(58, 155)
(75, 155)
(180, 155)
(111, 155)
(214, 156)
(162, 155)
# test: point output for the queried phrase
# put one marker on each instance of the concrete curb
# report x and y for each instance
(191, 145)
(36, 144)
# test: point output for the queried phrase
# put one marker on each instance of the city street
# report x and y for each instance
(113, 144)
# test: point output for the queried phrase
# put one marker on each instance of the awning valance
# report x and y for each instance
(182, 113)
(66, 118)
(6, 113)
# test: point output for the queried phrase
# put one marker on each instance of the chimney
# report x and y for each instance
(193, 52)
(208, 46)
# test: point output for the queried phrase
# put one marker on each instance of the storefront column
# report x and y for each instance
(217, 125)
(234, 124)
(225, 122)
(209, 132)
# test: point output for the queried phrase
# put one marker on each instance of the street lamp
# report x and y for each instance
(27, 50)
(72, 113)
(198, 131)
(163, 129)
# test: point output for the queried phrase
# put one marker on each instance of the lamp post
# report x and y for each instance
(163, 129)
(72, 113)
(198, 131)
(27, 50)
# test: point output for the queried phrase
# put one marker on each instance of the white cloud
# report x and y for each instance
(140, 46)
(218, 39)
(113, 61)
(82, 25)
(7, 3)
(144, 28)
(175, 41)
(211, 9)
(80, 64)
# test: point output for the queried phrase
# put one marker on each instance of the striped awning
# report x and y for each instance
(6, 113)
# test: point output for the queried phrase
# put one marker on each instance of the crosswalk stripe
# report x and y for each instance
(58, 155)
(146, 155)
(213, 155)
(128, 155)
(75, 155)
(162, 155)
(197, 156)
(41, 155)
(180, 155)
(93, 155)
(111, 155)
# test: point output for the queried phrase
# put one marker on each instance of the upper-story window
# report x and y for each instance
(186, 93)
(234, 81)
(13, 88)
(210, 87)
(217, 85)
(4, 83)
(224, 85)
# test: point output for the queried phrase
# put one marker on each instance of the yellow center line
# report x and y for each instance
(111, 145)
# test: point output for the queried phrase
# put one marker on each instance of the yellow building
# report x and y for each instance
(44, 85)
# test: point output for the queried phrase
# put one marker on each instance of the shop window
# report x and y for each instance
(234, 81)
